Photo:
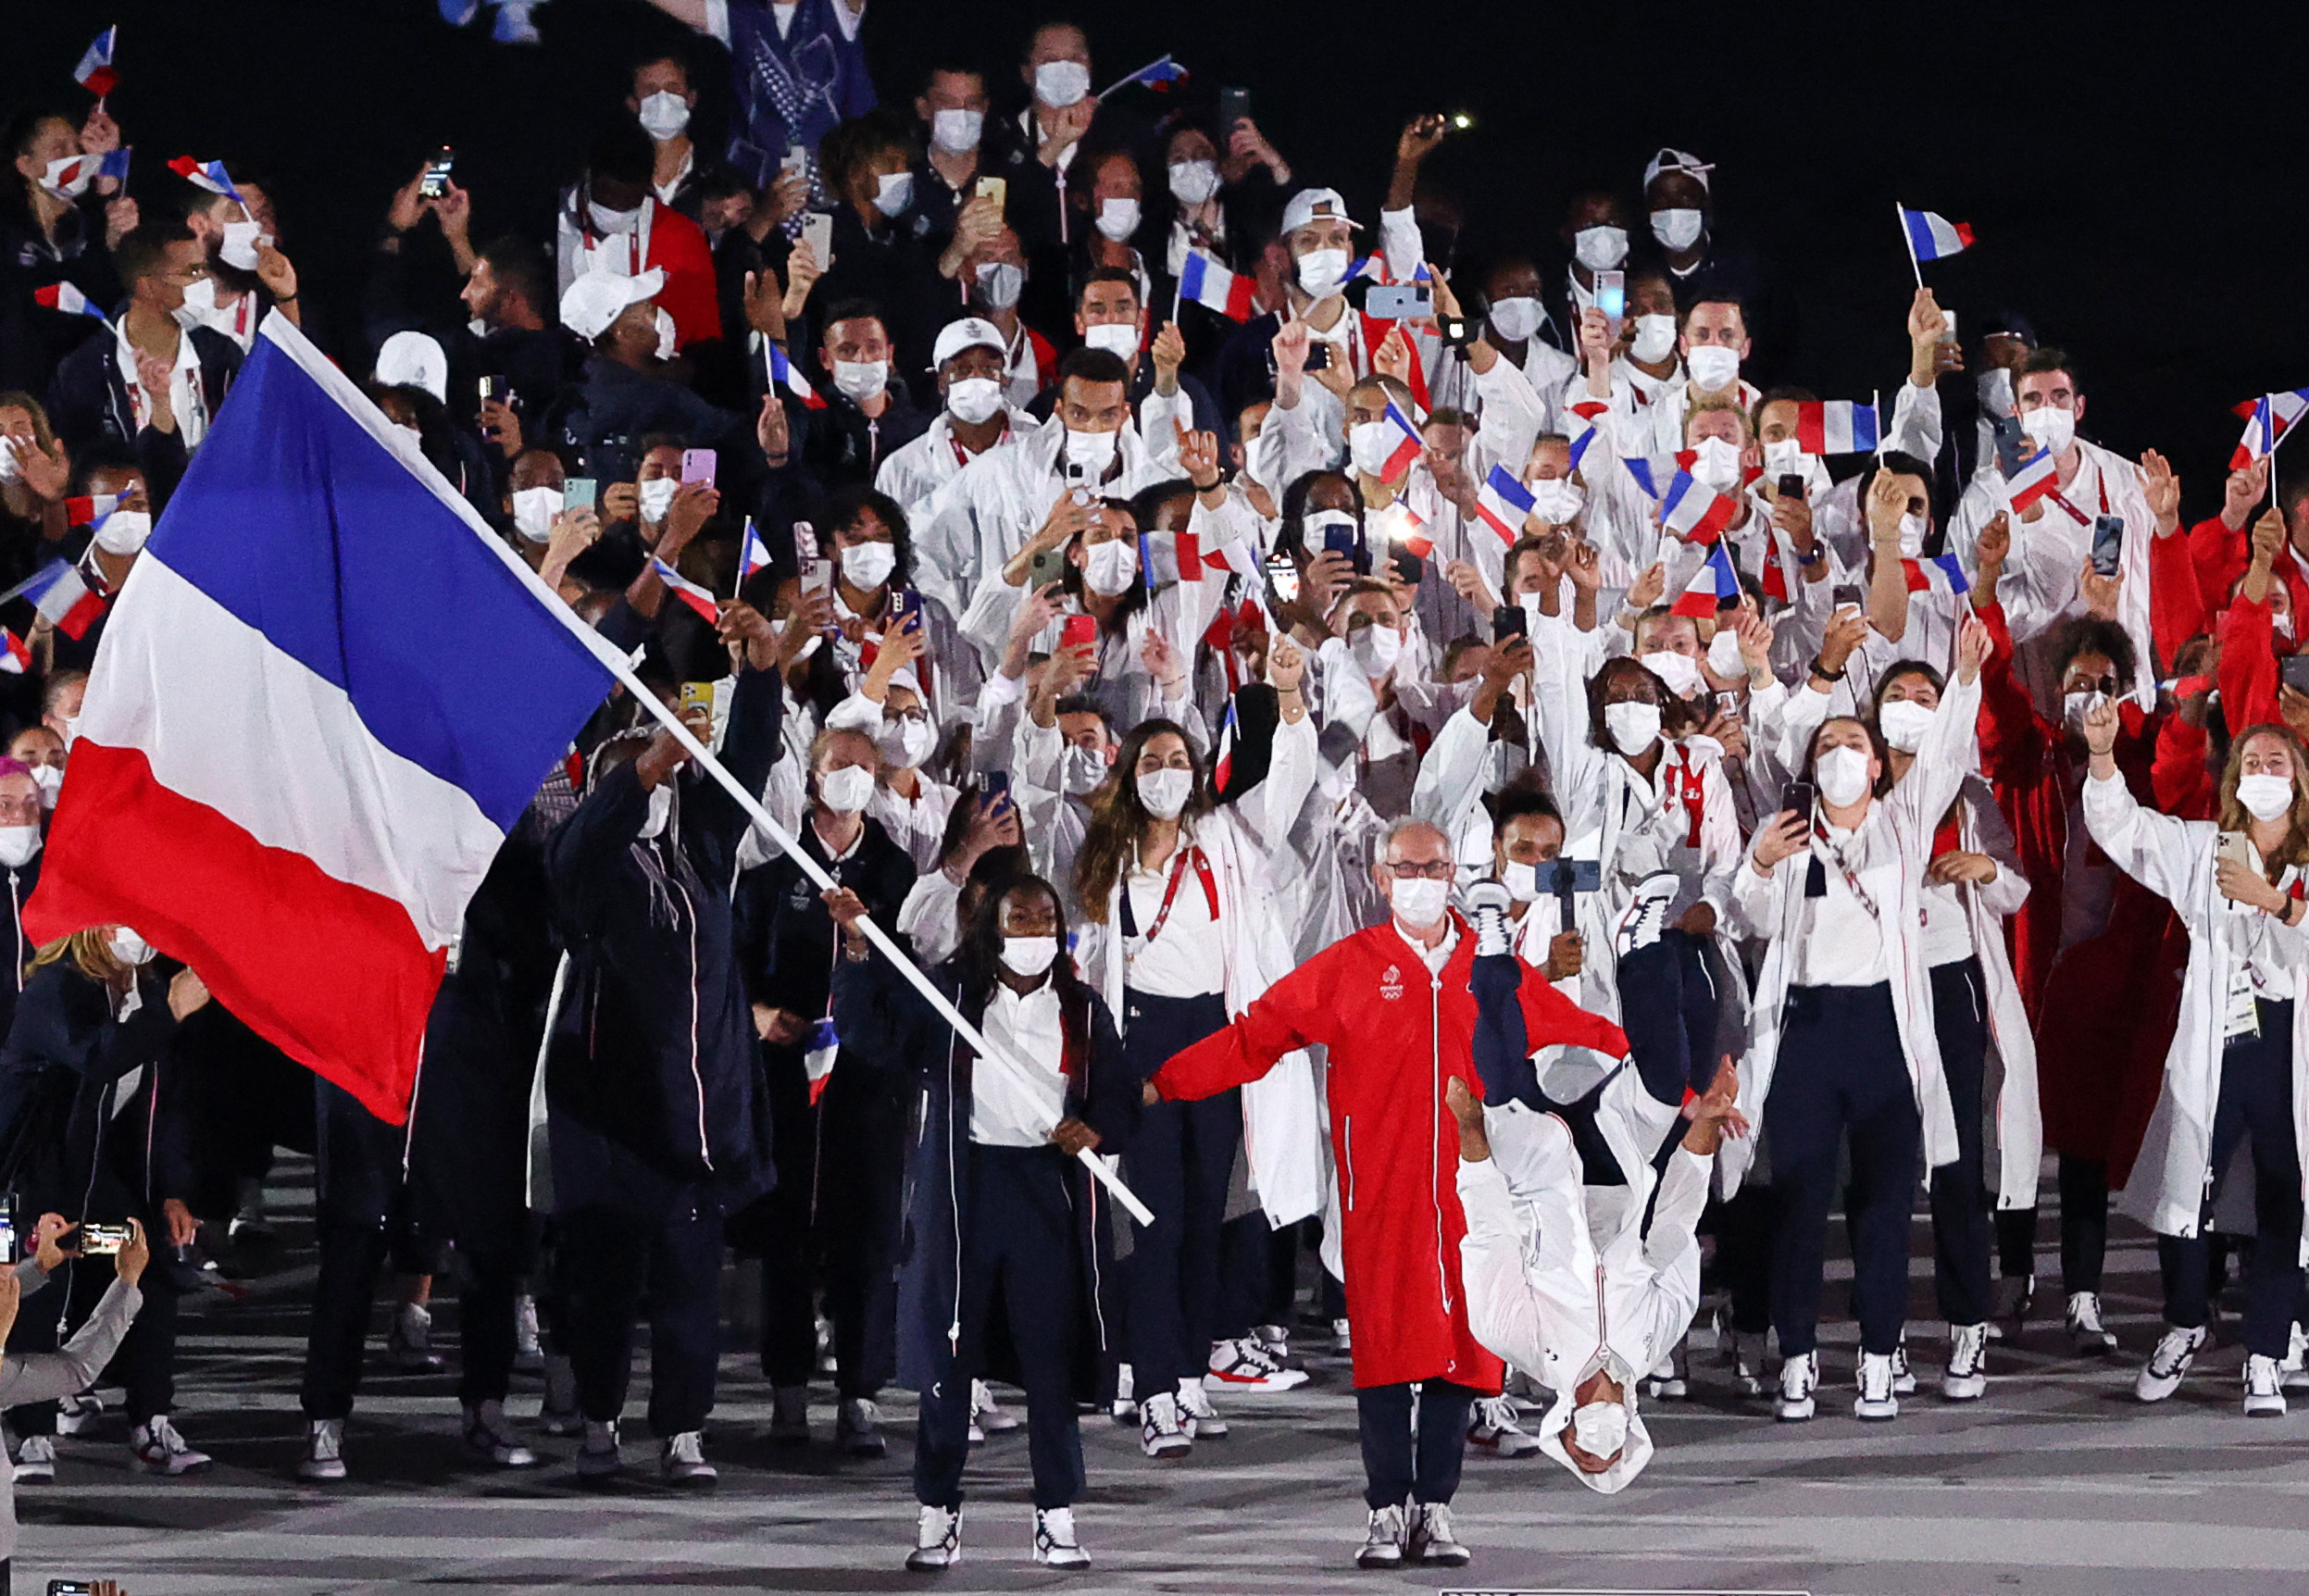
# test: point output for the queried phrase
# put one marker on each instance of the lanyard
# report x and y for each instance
(1843, 868)
(1178, 873)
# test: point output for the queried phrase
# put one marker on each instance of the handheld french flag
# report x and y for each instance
(1836, 426)
(752, 554)
(2267, 420)
(1713, 586)
(1405, 452)
(284, 778)
(209, 175)
(1693, 511)
(1167, 558)
(1241, 558)
(1941, 573)
(17, 657)
(818, 1058)
(65, 297)
(784, 374)
(1203, 281)
(1641, 470)
(2037, 476)
(1157, 75)
(88, 509)
(115, 164)
(1932, 236)
(94, 73)
(1503, 503)
(698, 598)
(63, 595)
(1223, 768)
(1403, 526)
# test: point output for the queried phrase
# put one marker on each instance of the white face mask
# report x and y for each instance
(1680, 671)
(50, 779)
(1714, 366)
(533, 512)
(200, 303)
(973, 399)
(1913, 529)
(1632, 726)
(660, 811)
(906, 741)
(79, 181)
(1516, 318)
(11, 470)
(1368, 445)
(1716, 463)
(2266, 797)
(663, 113)
(124, 532)
(1081, 769)
(1116, 338)
(1092, 451)
(1904, 722)
(845, 791)
(608, 220)
(241, 241)
(656, 497)
(999, 284)
(1723, 657)
(858, 380)
(1419, 901)
(866, 565)
(1118, 218)
(1599, 248)
(667, 332)
(1029, 955)
(1785, 457)
(1322, 270)
(1995, 389)
(1522, 882)
(1376, 649)
(955, 131)
(1163, 793)
(18, 844)
(1655, 338)
(1110, 568)
(1193, 182)
(128, 948)
(1600, 1428)
(1678, 228)
(1555, 500)
(893, 191)
(1061, 83)
(2049, 428)
(72, 731)
(1842, 774)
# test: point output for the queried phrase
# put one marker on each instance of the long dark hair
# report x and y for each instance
(1119, 823)
(979, 957)
(1133, 598)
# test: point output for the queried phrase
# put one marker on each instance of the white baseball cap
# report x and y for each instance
(413, 360)
(970, 332)
(598, 298)
(1669, 160)
(1309, 206)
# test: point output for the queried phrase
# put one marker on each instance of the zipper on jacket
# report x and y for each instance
(1435, 1128)
(1347, 1135)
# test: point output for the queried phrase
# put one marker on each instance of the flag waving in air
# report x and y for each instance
(1693, 511)
(209, 175)
(1203, 281)
(752, 554)
(94, 73)
(1157, 75)
(65, 297)
(1836, 426)
(2267, 420)
(1712, 587)
(1933, 237)
(1503, 502)
(784, 374)
(324, 695)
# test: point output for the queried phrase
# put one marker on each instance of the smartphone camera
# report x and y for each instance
(436, 180)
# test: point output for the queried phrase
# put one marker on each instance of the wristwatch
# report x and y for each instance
(1822, 671)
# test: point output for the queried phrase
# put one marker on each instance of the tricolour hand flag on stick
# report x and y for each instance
(209, 175)
(90, 508)
(2267, 420)
(1157, 75)
(2037, 476)
(61, 593)
(1641, 470)
(698, 598)
(115, 164)
(284, 778)
(1241, 558)
(1403, 449)
(65, 297)
(784, 374)
(1503, 503)
(1836, 426)
(16, 655)
(1403, 526)
(1169, 558)
(1695, 512)
(1713, 586)
(1202, 281)
(752, 554)
(1941, 573)
(1930, 237)
(94, 73)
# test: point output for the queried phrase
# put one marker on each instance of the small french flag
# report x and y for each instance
(1836, 426)
(115, 165)
(1932, 236)
(1580, 442)
(1693, 511)
(2034, 479)
(751, 554)
(19, 657)
(1713, 586)
(94, 73)
(1641, 470)
(1406, 453)
(783, 374)
(1157, 75)
(1205, 282)
(1169, 558)
(2267, 420)
(817, 1059)
(209, 175)
(1942, 573)
(1223, 768)
(688, 592)
(61, 593)
(1503, 502)
(63, 296)
(1241, 558)
(1403, 526)
(88, 509)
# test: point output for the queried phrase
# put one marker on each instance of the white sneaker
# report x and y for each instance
(1668, 1380)
(2160, 1377)
(1162, 1434)
(790, 1415)
(1646, 914)
(1967, 1377)
(156, 1446)
(35, 1459)
(859, 1427)
(1382, 1540)
(1055, 1545)
(248, 1217)
(1747, 1362)
(1245, 1365)
(2293, 1373)
(1428, 1537)
(1799, 1377)
(1903, 1378)
(988, 1417)
(599, 1457)
(486, 1437)
(75, 1413)
(2085, 1331)
(1197, 1417)
(1877, 1399)
(410, 1341)
(682, 1459)
(1486, 905)
(529, 1352)
(1123, 1410)
(2264, 1387)
(324, 1450)
(1492, 1423)
(937, 1540)
(1342, 1339)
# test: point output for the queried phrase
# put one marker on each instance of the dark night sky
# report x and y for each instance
(2131, 170)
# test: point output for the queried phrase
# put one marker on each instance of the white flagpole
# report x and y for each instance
(293, 342)
(1899, 214)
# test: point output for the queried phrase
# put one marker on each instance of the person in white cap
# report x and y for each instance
(413, 360)
(623, 396)
(1676, 192)
(971, 365)
(1678, 200)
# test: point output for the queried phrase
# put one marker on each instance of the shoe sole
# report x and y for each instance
(1166, 1454)
(1367, 1560)
(2264, 1412)
(1793, 1413)
(143, 1466)
(1965, 1390)
(916, 1565)
(321, 1476)
(1875, 1412)
(34, 1476)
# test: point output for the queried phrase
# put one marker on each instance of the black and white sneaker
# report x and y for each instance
(1123, 1410)
(1799, 1377)
(1055, 1545)
(410, 1341)
(1877, 1399)
(601, 1455)
(1903, 1378)
(2264, 1387)
(1343, 1336)
(2161, 1376)
(35, 1460)
(1429, 1539)
(1196, 1416)
(987, 1415)
(487, 1437)
(1747, 1362)
(1967, 1377)
(156, 1447)
(2085, 1333)
(1162, 1431)
(75, 1413)
(1382, 1540)
(529, 1352)
(1646, 914)
(859, 1427)
(1486, 905)
(1493, 1425)
(1669, 1381)
(937, 1540)
(2015, 1296)
(681, 1460)
(324, 1450)
(2293, 1373)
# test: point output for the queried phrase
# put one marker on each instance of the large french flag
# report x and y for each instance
(324, 695)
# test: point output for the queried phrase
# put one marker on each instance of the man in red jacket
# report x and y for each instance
(1392, 1006)
(611, 221)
